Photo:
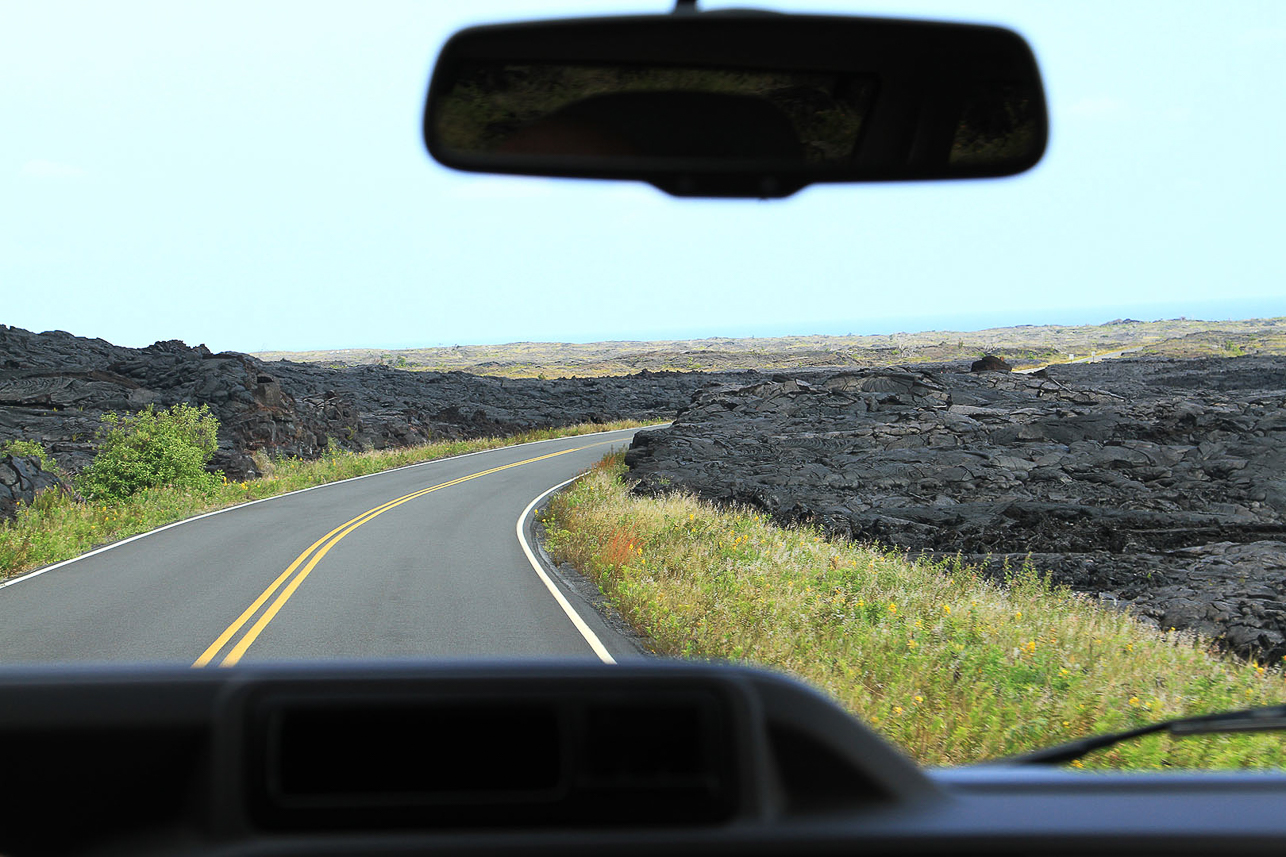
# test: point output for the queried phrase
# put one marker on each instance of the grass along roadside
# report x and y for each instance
(947, 665)
(56, 528)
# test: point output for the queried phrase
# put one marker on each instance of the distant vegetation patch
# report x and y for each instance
(1024, 346)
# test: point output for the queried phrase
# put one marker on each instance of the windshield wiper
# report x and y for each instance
(1267, 719)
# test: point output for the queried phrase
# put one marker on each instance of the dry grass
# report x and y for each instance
(952, 668)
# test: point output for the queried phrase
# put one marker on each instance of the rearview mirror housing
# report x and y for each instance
(737, 103)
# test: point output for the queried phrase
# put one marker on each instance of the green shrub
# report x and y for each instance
(29, 449)
(150, 449)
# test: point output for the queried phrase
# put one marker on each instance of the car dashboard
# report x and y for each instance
(533, 757)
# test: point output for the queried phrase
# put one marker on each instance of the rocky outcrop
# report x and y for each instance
(990, 363)
(1159, 484)
(21, 479)
(54, 388)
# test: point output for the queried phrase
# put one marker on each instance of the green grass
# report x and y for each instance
(56, 527)
(952, 668)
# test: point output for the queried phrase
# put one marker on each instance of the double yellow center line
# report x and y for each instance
(297, 572)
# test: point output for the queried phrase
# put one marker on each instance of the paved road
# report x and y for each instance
(1090, 358)
(423, 561)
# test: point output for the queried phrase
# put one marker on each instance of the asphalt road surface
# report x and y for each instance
(1089, 358)
(422, 561)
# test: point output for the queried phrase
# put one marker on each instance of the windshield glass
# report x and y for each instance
(996, 463)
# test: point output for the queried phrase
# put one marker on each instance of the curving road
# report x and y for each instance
(421, 561)
(1089, 358)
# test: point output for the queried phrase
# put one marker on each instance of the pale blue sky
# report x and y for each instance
(250, 175)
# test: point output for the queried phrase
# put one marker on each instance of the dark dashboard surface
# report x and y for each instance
(536, 757)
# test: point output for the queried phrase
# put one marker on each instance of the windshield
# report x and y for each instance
(995, 463)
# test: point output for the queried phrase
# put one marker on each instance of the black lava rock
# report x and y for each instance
(55, 387)
(21, 479)
(1156, 484)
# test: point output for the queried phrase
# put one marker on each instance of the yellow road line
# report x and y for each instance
(318, 549)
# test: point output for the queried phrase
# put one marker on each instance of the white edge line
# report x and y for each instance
(590, 637)
(135, 538)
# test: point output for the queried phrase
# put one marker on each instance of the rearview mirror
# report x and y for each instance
(737, 103)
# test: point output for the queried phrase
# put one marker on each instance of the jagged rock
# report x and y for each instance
(1156, 484)
(990, 363)
(21, 479)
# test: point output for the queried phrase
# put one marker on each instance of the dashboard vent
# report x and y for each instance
(593, 759)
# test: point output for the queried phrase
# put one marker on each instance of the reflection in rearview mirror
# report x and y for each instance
(613, 111)
(737, 104)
